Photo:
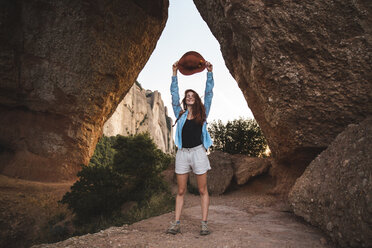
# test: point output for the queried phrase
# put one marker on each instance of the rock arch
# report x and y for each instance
(304, 72)
(65, 65)
(304, 68)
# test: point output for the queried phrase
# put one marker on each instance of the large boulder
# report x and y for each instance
(219, 177)
(335, 191)
(246, 167)
(304, 67)
(64, 67)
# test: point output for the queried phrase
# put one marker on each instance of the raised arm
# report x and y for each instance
(208, 94)
(175, 91)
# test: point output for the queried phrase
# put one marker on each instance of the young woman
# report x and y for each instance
(192, 140)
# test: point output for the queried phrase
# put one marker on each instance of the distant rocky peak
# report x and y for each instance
(142, 111)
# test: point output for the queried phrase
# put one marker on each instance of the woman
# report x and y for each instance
(192, 140)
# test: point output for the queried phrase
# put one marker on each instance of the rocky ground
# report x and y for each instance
(243, 217)
(25, 209)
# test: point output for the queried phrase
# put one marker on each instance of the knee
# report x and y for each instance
(181, 192)
(203, 190)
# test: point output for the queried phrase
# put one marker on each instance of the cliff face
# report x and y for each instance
(304, 67)
(64, 67)
(142, 111)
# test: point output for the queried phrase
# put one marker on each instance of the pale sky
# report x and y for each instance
(186, 31)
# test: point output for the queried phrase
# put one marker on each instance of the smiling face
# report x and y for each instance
(194, 105)
(190, 98)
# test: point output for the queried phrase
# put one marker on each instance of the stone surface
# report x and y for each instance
(220, 176)
(304, 67)
(246, 167)
(142, 111)
(232, 225)
(64, 67)
(335, 191)
(284, 175)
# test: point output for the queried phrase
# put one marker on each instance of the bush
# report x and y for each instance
(122, 169)
(240, 136)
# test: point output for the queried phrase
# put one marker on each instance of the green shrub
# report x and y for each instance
(240, 136)
(122, 169)
(104, 153)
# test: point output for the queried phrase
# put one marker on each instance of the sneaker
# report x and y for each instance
(174, 228)
(204, 228)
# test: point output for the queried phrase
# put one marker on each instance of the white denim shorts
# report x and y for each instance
(194, 159)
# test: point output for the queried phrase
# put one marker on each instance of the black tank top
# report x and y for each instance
(191, 134)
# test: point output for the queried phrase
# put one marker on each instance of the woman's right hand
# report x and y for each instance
(175, 68)
(209, 66)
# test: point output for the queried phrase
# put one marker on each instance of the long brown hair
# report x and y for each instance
(198, 109)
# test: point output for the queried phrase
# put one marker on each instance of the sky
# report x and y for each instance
(185, 31)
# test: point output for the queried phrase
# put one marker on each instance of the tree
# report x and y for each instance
(240, 136)
(122, 169)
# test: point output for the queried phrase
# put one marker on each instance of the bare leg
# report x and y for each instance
(182, 183)
(204, 196)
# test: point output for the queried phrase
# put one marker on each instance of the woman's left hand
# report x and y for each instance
(209, 66)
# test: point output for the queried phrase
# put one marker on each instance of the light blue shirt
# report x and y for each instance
(208, 95)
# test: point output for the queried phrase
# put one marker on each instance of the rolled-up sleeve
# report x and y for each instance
(175, 96)
(208, 94)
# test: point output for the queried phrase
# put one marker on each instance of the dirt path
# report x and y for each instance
(241, 218)
(25, 208)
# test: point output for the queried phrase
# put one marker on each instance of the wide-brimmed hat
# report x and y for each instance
(191, 62)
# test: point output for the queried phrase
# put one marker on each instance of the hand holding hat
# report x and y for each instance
(209, 66)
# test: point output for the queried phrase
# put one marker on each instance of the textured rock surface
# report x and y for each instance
(304, 67)
(335, 191)
(142, 111)
(247, 167)
(284, 176)
(220, 176)
(64, 67)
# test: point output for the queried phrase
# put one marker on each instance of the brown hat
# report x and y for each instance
(190, 63)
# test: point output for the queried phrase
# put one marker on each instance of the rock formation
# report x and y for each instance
(142, 111)
(335, 191)
(304, 67)
(64, 67)
(246, 167)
